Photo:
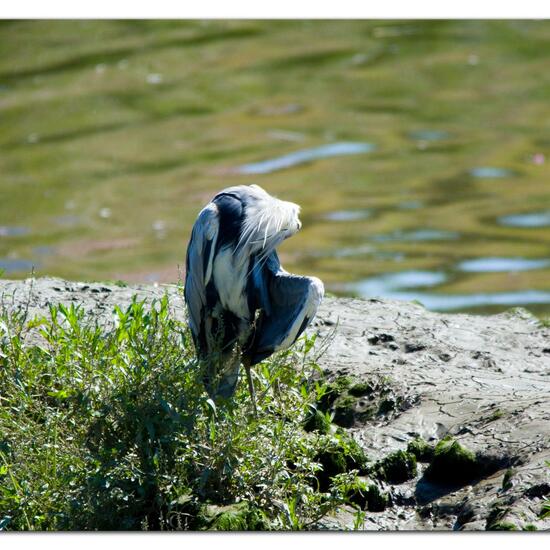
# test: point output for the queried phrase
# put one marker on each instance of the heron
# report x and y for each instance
(242, 305)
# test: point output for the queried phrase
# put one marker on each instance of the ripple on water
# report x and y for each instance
(68, 220)
(410, 205)
(494, 265)
(448, 302)
(489, 172)
(14, 265)
(305, 155)
(529, 219)
(387, 283)
(417, 235)
(429, 135)
(13, 230)
(347, 215)
(342, 252)
(44, 250)
(351, 251)
(403, 285)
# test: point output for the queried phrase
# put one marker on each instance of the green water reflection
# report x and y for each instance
(413, 147)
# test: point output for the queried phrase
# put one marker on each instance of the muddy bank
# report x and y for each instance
(484, 381)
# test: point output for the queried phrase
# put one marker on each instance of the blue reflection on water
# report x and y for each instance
(410, 205)
(429, 135)
(389, 282)
(417, 235)
(13, 230)
(490, 172)
(403, 285)
(494, 265)
(351, 251)
(530, 219)
(10, 265)
(305, 155)
(348, 215)
(449, 302)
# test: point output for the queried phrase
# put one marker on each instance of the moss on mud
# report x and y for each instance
(452, 463)
(360, 388)
(317, 421)
(341, 453)
(353, 400)
(334, 390)
(368, 495)
(344, 411)
(421, 449)
(397, 467)
(377, 500)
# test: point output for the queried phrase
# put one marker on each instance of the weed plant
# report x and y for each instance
(108, 427)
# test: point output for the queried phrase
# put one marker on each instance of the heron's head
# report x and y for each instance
(288, 213)
(269, 220)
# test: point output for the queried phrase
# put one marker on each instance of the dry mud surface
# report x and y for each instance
(483, 380)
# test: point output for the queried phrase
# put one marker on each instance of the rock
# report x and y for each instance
(411, 347)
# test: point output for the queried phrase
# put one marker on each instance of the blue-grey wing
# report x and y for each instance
(291, 302)
(198, 269)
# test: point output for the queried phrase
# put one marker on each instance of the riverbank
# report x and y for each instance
(484, 381)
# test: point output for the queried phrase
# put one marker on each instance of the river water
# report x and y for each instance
(418, 151)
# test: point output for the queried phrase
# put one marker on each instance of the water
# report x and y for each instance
(533, 219)
(429, 135)
(495, 265)
(67, 220)
(418, 235)
(475, 301)
(348, 215)
(405, 143)
(490, 172)
(387, 284)
(304, 156)
(16, 265)
(12, 231)
(408, 285)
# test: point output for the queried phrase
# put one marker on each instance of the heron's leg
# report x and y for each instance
(246, 363)
(209, 377)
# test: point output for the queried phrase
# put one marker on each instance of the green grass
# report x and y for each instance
(109, 427)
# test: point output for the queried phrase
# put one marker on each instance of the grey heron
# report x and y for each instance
(243, 306)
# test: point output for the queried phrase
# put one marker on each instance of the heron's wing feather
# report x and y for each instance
(293, 303)
(199, 262)
(259, 290)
